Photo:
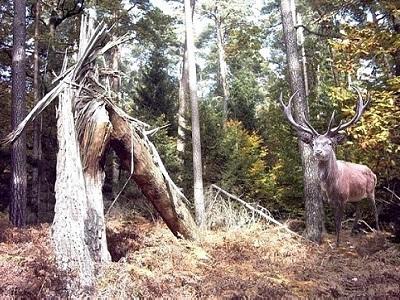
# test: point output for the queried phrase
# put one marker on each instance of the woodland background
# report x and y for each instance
(247, 149)
(250, 152)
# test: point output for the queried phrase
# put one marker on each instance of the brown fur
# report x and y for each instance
(345, 182)
(341, 181)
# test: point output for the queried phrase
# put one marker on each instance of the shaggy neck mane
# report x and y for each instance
(328, 169)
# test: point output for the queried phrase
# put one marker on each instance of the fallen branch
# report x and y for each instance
(262, 214)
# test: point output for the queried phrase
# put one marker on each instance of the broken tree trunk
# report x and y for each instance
(149, 176)
(68, 230)
(94, 111)
(94, 128)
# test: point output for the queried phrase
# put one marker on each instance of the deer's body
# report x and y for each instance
(341, 181)
(346, 181)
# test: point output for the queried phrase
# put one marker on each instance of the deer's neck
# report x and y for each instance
(328, 170)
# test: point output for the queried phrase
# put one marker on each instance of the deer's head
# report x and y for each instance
(323, 145)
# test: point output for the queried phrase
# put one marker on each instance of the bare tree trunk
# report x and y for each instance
(196, 140)
(303, 53)
(18, 154)
(71, 209)
(149, 178)
(182, 110)
(223, 68)
(37, 125)
(115, 85)
(312, 197)
(94, 136)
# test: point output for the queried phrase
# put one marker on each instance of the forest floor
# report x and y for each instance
(257, 261)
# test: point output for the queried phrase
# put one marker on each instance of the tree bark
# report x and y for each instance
(94, 136)
(71, 208)
(182, 109)
(312, 197)
(196, 140)
(18, 155)
(223, 68)
(115, 85)
(37, 124)
(303, 53)
(149, 178)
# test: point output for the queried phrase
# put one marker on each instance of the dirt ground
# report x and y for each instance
(253, 262)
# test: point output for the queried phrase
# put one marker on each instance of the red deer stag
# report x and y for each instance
(341, 181)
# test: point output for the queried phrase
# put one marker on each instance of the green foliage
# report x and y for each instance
(283, 158)
(235, 158)
(156, 91)
(244, 169)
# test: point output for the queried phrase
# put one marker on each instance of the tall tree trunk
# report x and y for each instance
(182, 109)
(115, 86)
(223, 68)
(37, 125)
(196, 140)
(312, 197)
(300, 33)
(71, 209)
(18, 154)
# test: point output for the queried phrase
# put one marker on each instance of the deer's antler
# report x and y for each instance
(287, 109)
(359, 111)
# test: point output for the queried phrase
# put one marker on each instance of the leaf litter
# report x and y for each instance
(257, 261)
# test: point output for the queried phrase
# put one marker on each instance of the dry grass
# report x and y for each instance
(254, 261)
(26, 263)
(227, 214)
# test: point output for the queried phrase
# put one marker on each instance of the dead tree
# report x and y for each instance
(79, 222)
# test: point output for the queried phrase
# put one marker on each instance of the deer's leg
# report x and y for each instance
(338, 221)
(357, 217)
(372, 198)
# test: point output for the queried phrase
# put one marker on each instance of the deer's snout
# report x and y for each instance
(319, 154)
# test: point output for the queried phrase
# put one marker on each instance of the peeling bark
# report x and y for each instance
(94, 137)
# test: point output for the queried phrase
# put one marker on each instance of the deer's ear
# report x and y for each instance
(305, 137)
(339, 139)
